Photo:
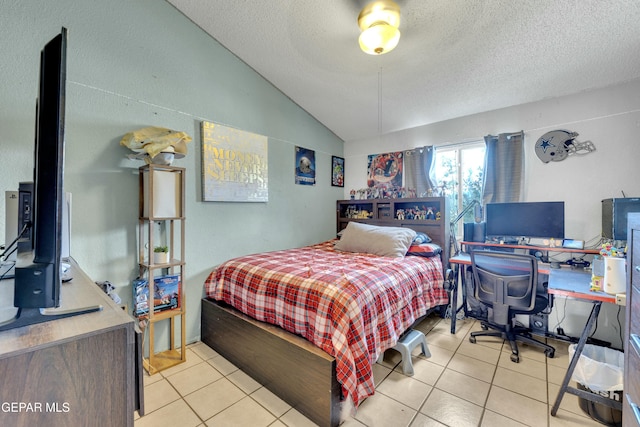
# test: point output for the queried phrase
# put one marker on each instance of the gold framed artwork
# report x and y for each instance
(234, 165)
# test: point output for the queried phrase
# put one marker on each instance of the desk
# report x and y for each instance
(462, 259)
(565, 282)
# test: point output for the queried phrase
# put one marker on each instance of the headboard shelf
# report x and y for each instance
(428, 215)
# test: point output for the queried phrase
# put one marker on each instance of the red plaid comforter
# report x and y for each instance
(351, 305)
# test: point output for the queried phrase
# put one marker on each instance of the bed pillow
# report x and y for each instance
(426, 250)
(383, 241)
(421, 238)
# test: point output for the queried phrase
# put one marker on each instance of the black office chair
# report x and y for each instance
(507, 283)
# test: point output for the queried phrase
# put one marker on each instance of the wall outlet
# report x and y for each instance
(621, 299)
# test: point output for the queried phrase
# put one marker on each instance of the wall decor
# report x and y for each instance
(337, 171)
(305, 166)
(234, 165)
(385, 170)
(557, 145)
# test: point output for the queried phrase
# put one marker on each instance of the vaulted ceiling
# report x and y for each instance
(455, 57)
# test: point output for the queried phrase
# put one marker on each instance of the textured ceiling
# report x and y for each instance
(455, 57)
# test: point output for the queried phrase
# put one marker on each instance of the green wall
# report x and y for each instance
(141, 63)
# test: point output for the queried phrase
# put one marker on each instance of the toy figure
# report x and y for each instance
(429, 214)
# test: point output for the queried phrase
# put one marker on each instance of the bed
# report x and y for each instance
(309, 323)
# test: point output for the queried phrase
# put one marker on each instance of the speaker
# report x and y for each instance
(467, 233)
(479, 232)
(614, 216)
(474, 232)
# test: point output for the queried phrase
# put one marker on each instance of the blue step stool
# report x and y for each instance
(405, 346)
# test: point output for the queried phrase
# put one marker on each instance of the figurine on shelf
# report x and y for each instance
(352, 193)
(400, 214)
(419, 213)
(430, 214)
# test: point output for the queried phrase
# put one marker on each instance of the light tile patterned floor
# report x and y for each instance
(461, 384)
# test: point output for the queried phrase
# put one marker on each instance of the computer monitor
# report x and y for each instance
(525, 220)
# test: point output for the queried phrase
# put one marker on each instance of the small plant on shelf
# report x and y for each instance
(160, 255)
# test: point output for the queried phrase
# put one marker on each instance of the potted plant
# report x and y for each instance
(160, 255)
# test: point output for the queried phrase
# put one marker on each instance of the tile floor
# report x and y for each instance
(461, 384)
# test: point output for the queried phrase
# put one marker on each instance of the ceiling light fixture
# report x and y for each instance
(379, 22)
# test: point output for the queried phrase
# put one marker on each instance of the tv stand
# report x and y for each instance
(69, 365)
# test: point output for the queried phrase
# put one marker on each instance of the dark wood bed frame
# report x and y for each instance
(288, 365)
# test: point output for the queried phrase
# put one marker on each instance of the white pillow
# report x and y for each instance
(383, 241)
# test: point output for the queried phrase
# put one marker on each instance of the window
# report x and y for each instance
(459, 171)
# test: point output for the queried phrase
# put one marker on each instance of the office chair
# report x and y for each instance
(507, 283)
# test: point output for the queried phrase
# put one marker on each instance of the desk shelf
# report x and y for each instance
(532, 247)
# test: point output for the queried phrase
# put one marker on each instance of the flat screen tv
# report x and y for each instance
(524, 220)
(37, 282)
(37, 277)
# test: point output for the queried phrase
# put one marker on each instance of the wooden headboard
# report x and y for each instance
(427, 215)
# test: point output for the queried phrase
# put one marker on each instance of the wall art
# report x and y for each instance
(305, 171)
(234, 165)
(337, 171)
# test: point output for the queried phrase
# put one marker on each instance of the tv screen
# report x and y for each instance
(37, 274)
(525, 219)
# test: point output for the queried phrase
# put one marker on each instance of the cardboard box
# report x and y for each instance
(166, 294)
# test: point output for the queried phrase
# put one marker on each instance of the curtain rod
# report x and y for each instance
(453, 145)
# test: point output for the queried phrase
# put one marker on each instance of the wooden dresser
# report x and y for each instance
(630, 408)
(74, 371)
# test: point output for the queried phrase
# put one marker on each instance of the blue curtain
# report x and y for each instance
(419, 164)
(503, 168)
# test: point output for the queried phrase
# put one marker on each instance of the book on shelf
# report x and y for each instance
(166, 294)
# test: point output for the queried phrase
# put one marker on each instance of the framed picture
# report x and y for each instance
(305, 171)
(385, 170)
(337, 171)
(234, 165)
